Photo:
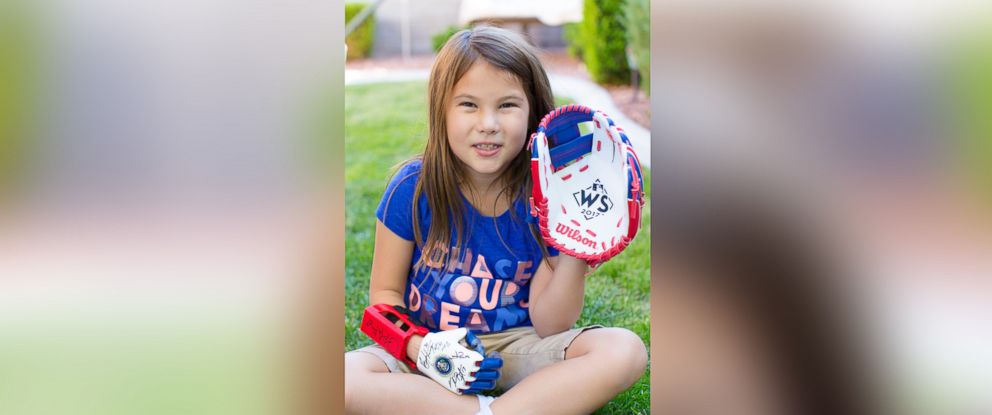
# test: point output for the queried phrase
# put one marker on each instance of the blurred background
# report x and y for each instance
(172, 181)
(822, 223)
(168, 177)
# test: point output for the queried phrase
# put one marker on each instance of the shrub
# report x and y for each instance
(442, 37)
(967, 81)
(572, 32)
(638, 19)
(604, 41)
(18, 90)
(360, 41)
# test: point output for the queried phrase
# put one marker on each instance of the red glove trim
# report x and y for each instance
(392, 328)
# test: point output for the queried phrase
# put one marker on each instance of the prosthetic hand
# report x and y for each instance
(453, 358)
(456, 360)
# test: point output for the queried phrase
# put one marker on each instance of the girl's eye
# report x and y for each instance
(466, 104)
(509, 105)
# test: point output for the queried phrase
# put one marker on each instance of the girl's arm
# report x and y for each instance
(390, 267)
(556, 297)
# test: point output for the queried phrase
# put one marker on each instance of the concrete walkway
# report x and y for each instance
(582, 91)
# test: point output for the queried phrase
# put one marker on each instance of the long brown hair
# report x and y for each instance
(442, 172)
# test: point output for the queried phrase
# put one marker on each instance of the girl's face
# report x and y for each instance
(487, 121)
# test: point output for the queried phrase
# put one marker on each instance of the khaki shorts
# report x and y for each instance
(523, 352)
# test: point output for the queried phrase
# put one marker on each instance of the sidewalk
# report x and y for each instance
(581, 90)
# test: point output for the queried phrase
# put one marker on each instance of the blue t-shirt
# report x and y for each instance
(485, 286)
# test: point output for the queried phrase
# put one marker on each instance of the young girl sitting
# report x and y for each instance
(489, 305)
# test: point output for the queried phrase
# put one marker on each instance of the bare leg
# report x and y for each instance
(369, 388)
(598, 365)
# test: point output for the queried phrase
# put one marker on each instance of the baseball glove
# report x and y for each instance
(587, 192)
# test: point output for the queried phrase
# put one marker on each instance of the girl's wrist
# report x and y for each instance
(413, 347)
(571, 262)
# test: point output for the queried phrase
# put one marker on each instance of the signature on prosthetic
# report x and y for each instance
(429, 349)
(458, 378)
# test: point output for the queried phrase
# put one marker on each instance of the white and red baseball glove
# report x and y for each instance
(588, 192)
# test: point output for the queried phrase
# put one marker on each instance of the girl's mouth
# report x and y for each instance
(487, 149)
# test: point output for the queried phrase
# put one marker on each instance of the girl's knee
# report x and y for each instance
(622, 352)
(632, 350)
(353, 370)
(358, 362)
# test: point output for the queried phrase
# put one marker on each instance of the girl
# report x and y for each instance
(477, 263)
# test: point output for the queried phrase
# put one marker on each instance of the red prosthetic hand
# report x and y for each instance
(391, 327)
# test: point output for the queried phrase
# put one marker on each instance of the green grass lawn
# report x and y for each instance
(386, 124)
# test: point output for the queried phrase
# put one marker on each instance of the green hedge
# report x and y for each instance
(638, 19)
(604, 41)
(360, 41)
(969, 81)
(572, 33)
(17, 90)
(442, 37)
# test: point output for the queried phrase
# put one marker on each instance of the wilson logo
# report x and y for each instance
(593, 200)
(575, 234)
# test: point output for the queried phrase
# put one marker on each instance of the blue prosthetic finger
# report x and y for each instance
(472, 341)
(494, 362)
(490, 363)
(486, 375)
(481, 385)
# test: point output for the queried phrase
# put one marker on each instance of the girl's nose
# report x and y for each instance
(488, 123)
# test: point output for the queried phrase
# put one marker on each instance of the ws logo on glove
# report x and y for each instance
(580, 155)
(593, 200)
